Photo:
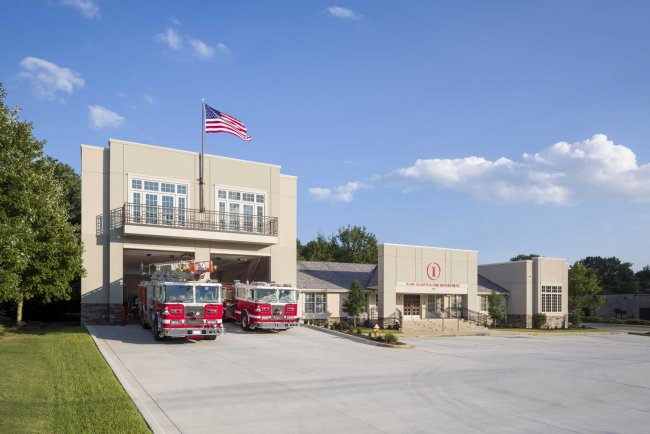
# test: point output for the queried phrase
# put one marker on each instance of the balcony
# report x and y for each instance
(174, 222)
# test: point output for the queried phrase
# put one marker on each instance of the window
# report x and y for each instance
(484, 303)
(240, 210)
(315, 303)
(147, 195)
(551, 298)
(456, 302)
(151, 186)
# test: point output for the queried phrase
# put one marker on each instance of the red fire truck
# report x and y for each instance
(261, 305)
(181, 301)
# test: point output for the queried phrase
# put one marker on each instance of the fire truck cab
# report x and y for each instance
(261, 305)
(181, 301)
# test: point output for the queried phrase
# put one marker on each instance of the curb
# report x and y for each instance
(153, 415)
(357, 338)
(646, 334)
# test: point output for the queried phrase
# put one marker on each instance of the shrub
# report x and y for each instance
(370, 334)
(2, 330)
(358, 331)
(539, 320)
(390, 338)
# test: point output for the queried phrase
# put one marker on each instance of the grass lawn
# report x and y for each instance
(54, 380)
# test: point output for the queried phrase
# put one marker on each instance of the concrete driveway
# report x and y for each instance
(306, 381)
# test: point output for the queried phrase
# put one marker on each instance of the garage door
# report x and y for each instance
(644, 313)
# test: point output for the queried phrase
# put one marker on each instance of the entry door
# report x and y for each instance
(412, 305)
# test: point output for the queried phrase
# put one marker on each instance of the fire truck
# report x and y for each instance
(261, 305)
(181, 301)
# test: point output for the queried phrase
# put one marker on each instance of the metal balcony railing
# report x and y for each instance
(187, 218)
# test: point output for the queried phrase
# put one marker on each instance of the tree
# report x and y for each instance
(615, 277)
(355, 244)
(319, 249)
(495, 308)
(523, 257)
(583, 290)
(71, 183)
(41, 253)
(300, 255)
(643, 278)
(355, 303)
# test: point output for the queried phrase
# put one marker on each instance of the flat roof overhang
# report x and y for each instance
(195, 234)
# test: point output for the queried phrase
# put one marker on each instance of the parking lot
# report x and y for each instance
(304, 381)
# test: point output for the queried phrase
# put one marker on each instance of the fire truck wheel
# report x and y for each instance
(211, 338)
(244, 321)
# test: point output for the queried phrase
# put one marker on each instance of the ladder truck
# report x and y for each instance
(181, 301)
(262, 305)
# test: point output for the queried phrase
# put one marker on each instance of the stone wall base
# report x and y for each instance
(526, 321)
(101, 313)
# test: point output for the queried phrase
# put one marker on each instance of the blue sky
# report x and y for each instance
(506, 126)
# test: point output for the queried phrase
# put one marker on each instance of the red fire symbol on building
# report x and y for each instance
(433, 271)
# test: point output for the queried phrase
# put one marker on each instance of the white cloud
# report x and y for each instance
(149, 98)
(341, 12)
(595, 169)
(201, 49)
(563, 173)
(171, 38)
(88, 8)
(341, 193)
(101, 117)
(223, 49)
(49, 79)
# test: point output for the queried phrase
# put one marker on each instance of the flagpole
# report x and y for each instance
(201, 205)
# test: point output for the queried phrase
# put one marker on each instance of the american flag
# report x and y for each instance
(219, 122)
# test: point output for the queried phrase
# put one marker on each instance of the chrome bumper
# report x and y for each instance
(272, 325)
(192, 332)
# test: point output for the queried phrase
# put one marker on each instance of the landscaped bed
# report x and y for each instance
(55, 380)
(380, 337)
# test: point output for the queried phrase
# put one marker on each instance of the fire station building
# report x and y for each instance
(141, 205)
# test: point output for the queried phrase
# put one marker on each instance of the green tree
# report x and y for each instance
(41, 253)
(495, 308)
(615, 277)
(319, 249)
(583, 290)
(355, 244)
(300, 250)
(523, 257)
(71, 183)
(643, 278)
(355, 302)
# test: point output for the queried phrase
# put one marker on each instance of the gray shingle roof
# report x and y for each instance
(334, 275)
(486, 285)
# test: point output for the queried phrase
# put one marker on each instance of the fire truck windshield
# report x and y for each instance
(179, 294)
(288, 295)
(208, 294)
(268, 295)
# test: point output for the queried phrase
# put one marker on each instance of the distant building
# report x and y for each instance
(625, 306)
(415, 283)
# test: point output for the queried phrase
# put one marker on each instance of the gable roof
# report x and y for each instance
(486, 285)
(334, 276)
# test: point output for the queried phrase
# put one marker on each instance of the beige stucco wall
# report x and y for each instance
(402, 263)
(516, 277)
(105, 186)
(524, 280)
